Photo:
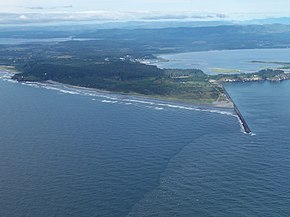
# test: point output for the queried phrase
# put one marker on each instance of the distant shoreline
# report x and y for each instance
(214, 69)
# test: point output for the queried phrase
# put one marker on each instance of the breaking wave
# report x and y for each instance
(107, 97)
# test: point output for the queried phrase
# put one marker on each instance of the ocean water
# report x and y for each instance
(241, 60)
(73, 152)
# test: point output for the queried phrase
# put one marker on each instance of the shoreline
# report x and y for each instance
(171, 57)
(218, 105)
(225, 105)
(186, 52)
(239, 114)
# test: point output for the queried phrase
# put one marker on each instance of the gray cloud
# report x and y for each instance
(52, 17)
(166, 17)
(49, 8)
(185, 16)
(221, 16)
(47, 17)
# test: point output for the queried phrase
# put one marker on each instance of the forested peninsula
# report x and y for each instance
(113, 60)
(191, 85)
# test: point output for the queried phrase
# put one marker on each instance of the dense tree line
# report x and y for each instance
(118, 70)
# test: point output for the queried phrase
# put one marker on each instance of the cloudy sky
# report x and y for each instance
(72, 10)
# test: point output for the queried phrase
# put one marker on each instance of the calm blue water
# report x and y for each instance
(208, 61)
(66, 153)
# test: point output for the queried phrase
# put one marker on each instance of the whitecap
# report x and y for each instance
(109, 101)
(158, 108)
(114, 98)
(69, 92)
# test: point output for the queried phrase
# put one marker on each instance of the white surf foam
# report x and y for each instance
(113, 98)
(109, 101)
